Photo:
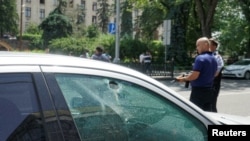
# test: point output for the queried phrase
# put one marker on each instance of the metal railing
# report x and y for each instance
(166, 69)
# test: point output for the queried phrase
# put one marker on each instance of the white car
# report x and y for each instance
(59, 98)
(239, 69)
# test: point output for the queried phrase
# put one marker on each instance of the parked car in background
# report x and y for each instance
(59, 98)
(10, 37)
(239, 69)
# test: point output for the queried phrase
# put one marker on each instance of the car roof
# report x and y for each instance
(8, 58)
(28, 58)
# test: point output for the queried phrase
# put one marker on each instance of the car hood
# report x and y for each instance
(228, 119)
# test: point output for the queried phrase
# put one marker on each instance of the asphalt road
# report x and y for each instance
(234, 97)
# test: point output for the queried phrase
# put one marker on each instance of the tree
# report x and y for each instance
(230, 28)
(77, 19)
(92, 31)
(56, 25)
(8, 16)
(152, 17)
(245, 5)
(126, 19)
(205, 10)
(103, 14)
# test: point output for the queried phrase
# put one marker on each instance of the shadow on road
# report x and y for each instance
(234, 83)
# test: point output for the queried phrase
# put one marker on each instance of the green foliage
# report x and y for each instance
(33, 29)
(70, 44)
(92, 31)
(78, 45)
(157, 51)
(193, 31)
(150, 20)
(30, 37)
(245, 6)
(153, 15)
(126, 20)
(80, 14)
(231, 28)
(55, 26)
(105, 40)
(130, 49)
(8, 17)
(36, 41)
(103, 14)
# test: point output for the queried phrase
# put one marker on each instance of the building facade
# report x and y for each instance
(35, 11)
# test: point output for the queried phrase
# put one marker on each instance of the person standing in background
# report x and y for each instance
(98, 55)
(85, 54)
(147, 60)
(202, 76)
(220, 64)
(141, 61)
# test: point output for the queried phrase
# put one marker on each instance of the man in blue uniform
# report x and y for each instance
(202, 75)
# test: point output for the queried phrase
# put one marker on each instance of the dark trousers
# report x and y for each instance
(147, 68)
(202, 97)
(216, 86)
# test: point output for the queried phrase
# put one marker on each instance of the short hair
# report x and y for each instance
(99, 49)
(213, 42)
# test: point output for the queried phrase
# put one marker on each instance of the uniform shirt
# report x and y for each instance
(219, 60)
(206, 64)
(147, 58)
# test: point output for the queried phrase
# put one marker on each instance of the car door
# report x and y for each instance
(27, 111)
(112, 106)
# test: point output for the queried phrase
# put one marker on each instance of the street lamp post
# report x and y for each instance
(21, 27)
(117, 33)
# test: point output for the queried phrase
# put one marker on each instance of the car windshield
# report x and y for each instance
(242, 62)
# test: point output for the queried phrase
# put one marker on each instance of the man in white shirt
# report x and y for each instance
(217, 80)
(141, 57)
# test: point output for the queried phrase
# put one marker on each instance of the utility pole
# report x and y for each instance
(117, 33)
(21, 27)
(166, 41)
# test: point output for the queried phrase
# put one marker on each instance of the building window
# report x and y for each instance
(94, 6)
(55, 2)
(42, 1)
(42, 13)
(83, 3)
(28, 1)
(93, 19)
(71, 3)
(27, 12)
(27, 24)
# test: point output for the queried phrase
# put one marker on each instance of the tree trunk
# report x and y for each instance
(205, 10)
(245, 5)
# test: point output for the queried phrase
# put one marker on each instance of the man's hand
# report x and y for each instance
(181, 78)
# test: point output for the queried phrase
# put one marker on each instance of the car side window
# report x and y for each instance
(20, 117)
(111, 109)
